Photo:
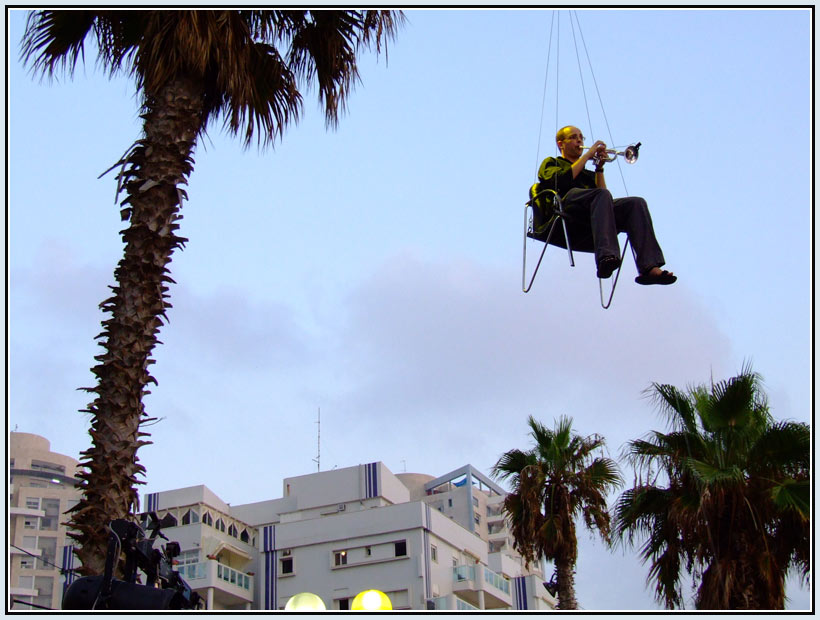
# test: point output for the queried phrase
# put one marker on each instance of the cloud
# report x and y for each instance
(229, 328)
(424, 336)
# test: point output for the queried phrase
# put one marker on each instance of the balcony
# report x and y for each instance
(480, 586)
(450, 603)
(231, 588)
(27, 512)
(496, 531)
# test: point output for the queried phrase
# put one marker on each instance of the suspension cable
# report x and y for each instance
(580, 71)
(544, 100)
(555, 27)
(598, 92)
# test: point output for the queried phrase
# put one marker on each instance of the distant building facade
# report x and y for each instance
(41, 491)
(428, 543)
(219, 553)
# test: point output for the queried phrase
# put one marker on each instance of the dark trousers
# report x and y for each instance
(595, 219)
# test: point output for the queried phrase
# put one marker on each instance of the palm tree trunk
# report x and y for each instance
(565, 583)
(160, 162)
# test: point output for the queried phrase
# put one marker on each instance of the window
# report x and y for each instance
(244, 536)
(220, 525)
(190, 556)
(340, 558)
(45, 589)
(232, 531)
(52, 517)
(287, 566)
(344, 604)
(25, 581)
(191, 516)
(33, 503)
(450, 502)
(48, 552)
(207, 519)
(45, 466)
(475, 501)
(434, 553)
(478, 519)
(175, 522)
(401, 548)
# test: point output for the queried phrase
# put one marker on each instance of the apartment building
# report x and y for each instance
(219, 553)
(427, 542)
(41, 490)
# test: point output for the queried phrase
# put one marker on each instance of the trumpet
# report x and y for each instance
(630, 153)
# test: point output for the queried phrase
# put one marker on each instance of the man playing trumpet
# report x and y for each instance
(594, 217)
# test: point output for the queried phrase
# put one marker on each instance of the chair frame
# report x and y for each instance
(559, 214)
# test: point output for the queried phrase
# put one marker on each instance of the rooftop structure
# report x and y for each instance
(428, 543)
(41, 491)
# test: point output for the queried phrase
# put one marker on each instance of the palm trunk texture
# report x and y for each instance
(159, 163)
(565, 583)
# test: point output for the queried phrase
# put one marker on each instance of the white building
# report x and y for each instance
(218, 550)
(426, 542)
(41, 491)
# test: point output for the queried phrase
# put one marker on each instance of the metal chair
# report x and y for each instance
(536, 228)
(541, 224)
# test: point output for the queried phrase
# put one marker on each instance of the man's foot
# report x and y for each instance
(607, 265)
(656, 275)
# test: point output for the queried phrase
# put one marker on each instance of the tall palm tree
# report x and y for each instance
(723, 497)
(553, 483)
(190, 68)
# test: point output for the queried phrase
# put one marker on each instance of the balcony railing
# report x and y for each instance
(232, 576)
(467, 572)
(442, 603)
(191, 572)
(496, 580)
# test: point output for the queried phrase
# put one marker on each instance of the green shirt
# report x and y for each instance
(555, 173)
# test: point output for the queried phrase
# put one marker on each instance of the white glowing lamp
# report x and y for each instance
(305, 601)
(371, 600)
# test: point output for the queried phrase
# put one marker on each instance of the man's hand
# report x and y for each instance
(597, 151)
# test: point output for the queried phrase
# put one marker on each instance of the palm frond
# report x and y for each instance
(793, 495)
(733, 479)
(55, 40)
(675, 405)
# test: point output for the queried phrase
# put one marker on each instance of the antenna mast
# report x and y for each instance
(318, 458)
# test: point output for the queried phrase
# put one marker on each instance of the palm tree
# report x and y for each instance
(190, 68)
(553, 483)
(724, 497)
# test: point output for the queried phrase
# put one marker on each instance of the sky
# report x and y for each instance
(373, 272)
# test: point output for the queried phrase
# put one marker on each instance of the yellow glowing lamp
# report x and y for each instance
(371, 600)
(305, 601)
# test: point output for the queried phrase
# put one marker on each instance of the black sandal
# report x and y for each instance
(664, 277)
